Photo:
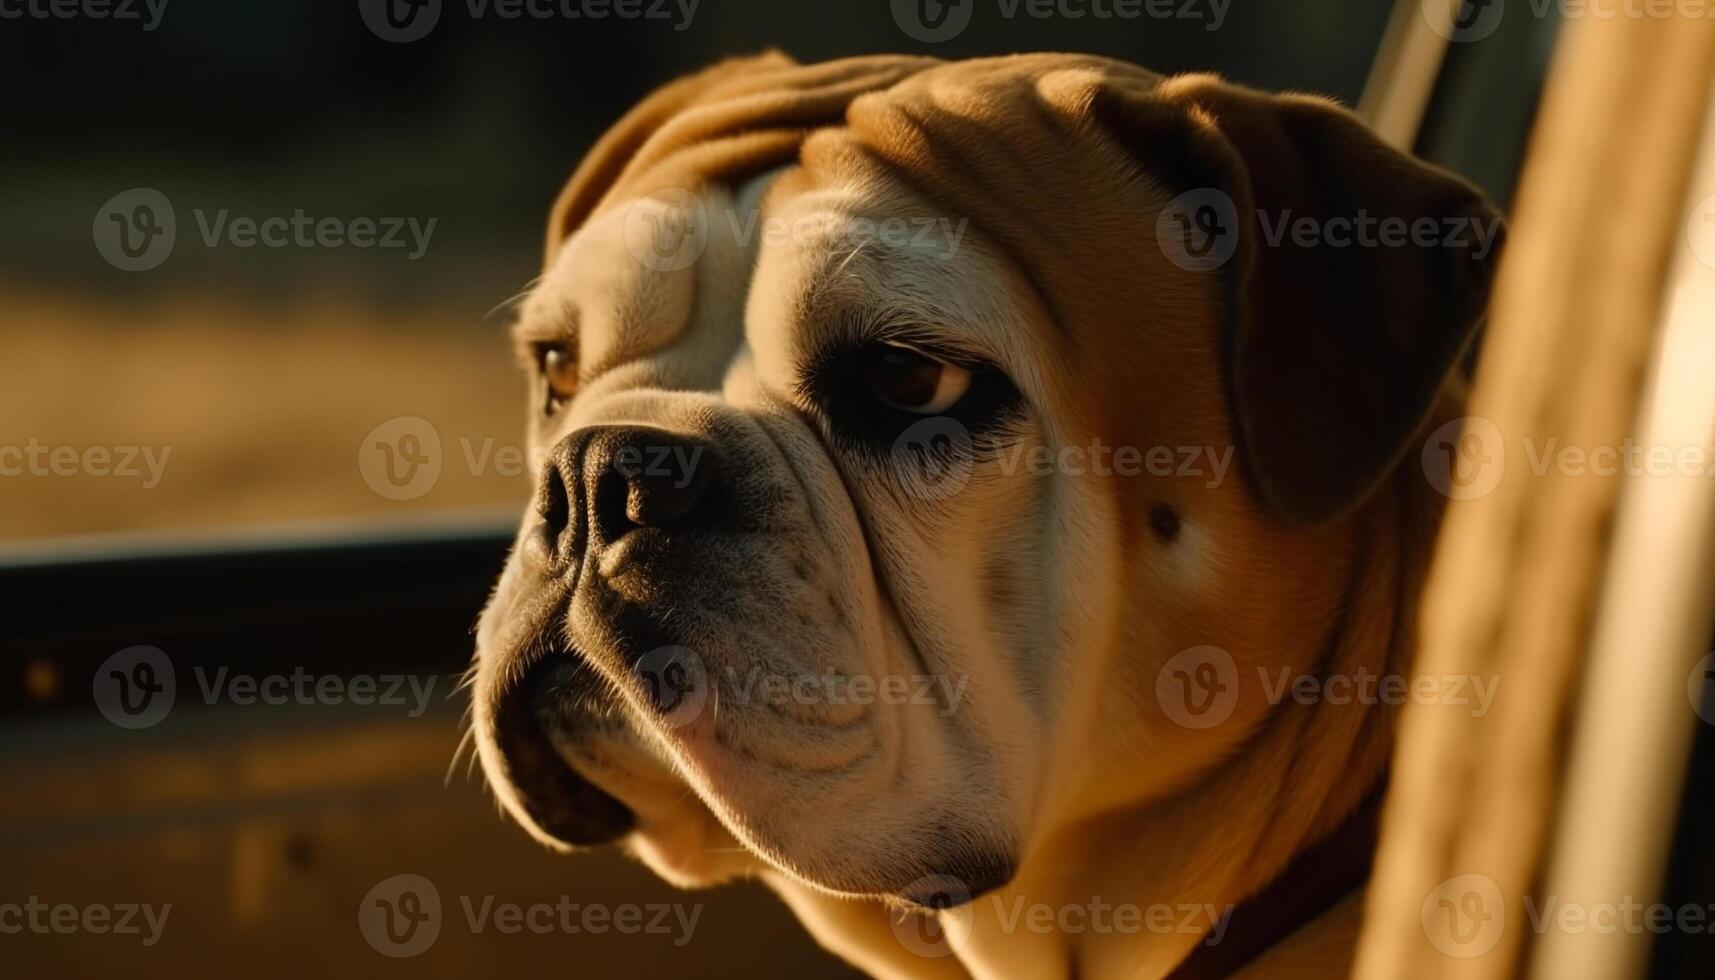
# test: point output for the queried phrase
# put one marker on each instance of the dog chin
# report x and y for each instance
(849, 840)
(692, 853)
(713, 777)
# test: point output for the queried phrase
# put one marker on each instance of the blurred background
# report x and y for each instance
(237, 395)
(263, 368)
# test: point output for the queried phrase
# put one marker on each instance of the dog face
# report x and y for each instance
(879, 480)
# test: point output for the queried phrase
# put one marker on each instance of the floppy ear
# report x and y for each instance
(742, 115)
(602, 165)
(1334, 353)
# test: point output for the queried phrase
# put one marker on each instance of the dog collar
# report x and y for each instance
(1320, 876)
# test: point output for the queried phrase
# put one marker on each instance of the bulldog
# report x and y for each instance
(879, 545)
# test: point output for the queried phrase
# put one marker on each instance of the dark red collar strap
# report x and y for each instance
(1313, 883)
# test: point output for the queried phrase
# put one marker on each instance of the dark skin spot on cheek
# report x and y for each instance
(1164, 521)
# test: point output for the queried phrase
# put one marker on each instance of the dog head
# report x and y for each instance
(894, 424)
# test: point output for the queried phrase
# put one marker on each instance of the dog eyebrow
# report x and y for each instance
(935, 196)
(559, 325)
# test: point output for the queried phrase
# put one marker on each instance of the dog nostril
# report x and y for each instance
(609, 508)
(554, 506)
(648, 478)
(667, 494)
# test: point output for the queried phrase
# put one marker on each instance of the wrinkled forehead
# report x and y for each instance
(854, 247)
(992, 215)
(837, 240)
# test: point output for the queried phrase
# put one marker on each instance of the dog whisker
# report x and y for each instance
(514, 299)
(467, 741)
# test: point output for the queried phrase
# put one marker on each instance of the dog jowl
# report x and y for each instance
(755, 623)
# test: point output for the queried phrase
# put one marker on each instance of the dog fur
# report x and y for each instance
(1052, 601)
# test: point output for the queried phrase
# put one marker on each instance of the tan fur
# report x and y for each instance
(1050, 158)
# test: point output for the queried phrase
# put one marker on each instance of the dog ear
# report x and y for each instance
(740, 116)
(1337, 339)
(607, 159)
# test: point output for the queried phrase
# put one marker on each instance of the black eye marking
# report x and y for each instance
(877, 376)
(1164, 521)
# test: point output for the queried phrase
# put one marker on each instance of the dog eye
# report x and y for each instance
(870, 393)
(911, 381)
(559, 373)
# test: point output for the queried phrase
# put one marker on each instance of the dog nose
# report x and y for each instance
(604, 481)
